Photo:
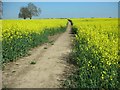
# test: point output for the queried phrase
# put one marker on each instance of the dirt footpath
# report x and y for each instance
(48, 70)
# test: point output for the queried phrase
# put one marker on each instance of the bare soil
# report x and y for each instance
(48, 68)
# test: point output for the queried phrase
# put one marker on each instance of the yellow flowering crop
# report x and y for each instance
(96, 52)
(18, 36)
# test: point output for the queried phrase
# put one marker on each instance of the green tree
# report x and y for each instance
(24, 13)
(29, 11)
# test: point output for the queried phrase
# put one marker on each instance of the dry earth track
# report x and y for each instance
(48, 70)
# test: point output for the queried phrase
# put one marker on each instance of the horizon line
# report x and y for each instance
(54, 18)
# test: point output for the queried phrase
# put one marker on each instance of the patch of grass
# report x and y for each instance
(74, 30)
(45, 47)
(28, 54)
(13, 71)
(52, 43)
(3, 66)
(33, 62)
